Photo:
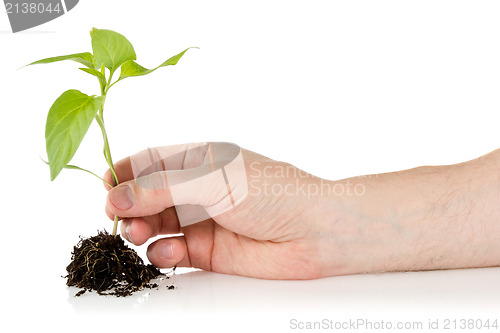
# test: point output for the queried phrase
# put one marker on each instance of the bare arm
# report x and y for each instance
(437, 217)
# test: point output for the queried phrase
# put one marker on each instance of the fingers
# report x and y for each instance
(138, 230)
(123, 170)
(169, 252)
(156, 159)
(209, 176)
(194, 249)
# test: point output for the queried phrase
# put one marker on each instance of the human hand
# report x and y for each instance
(272, 233)
(292, 225)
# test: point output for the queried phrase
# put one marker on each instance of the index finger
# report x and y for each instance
(148, 161)
(123, 170)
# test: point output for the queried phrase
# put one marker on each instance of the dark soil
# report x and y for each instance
(105, 264)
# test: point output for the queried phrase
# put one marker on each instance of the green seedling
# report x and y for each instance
(73, 112)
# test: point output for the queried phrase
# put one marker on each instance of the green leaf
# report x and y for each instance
(111, 48)
(68, 121)
(86, 59)
(96, 73)
(131, 68)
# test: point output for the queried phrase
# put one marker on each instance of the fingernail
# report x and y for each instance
(127, 233)
(122, 197)
(166, 251)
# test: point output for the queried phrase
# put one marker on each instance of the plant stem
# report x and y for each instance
(107, 155)
(115, 225)
(106, 150)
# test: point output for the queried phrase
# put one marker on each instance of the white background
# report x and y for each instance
(337, 88)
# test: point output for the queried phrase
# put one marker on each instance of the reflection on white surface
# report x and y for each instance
(203, 300)
(211, 294)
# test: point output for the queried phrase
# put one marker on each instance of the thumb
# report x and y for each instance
(144, 196)
(202, 195)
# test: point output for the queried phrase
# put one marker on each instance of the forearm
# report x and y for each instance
(421, 219)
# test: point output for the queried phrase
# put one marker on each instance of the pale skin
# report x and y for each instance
(427, 218)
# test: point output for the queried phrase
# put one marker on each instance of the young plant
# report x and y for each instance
(73, 112)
